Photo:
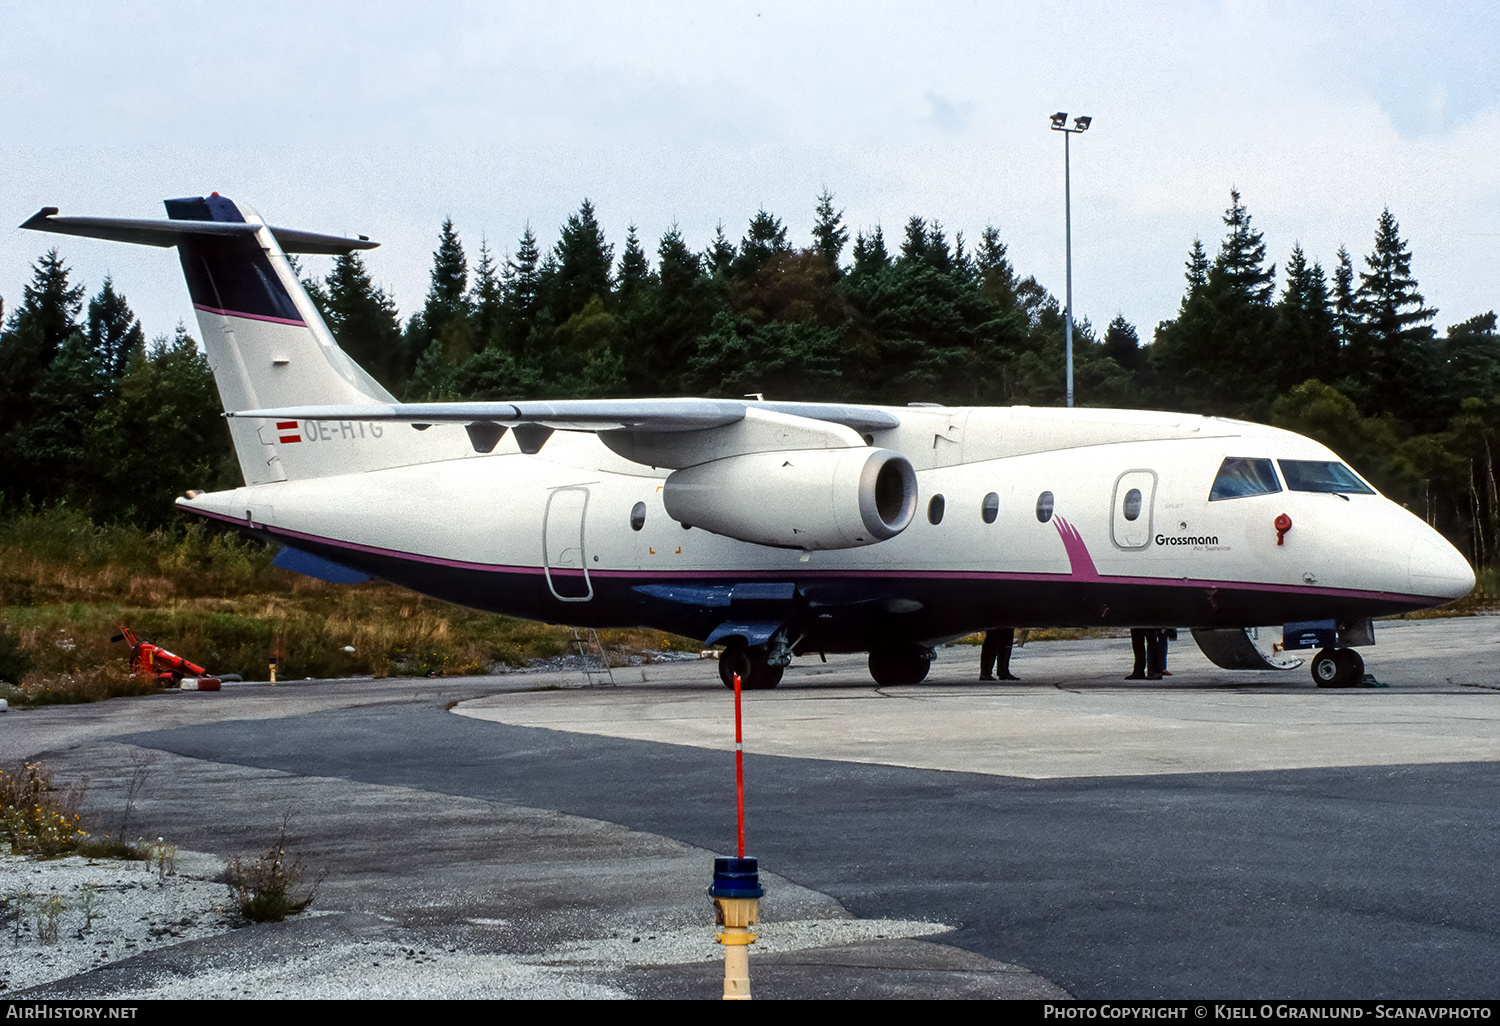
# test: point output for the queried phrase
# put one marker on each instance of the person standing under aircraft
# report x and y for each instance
(1149, 646)
(994, 654)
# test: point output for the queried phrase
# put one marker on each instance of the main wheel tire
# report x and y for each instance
(1354, 666)
(892, 667)
(1331, 668)
(750, 663)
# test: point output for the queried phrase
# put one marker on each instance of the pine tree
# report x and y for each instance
(363, 320)
(914, 244)
(720, 254)
(442, 334)
(1122, 344)
(48, 314)
(486, 299)
(1197, 272)
(765, 239)
(32, 340)
(1213, 357)
(870, 254)
(165, 415)
(522, 285)
(680, 266)
(1343, 298)
(1306, 336)
(635, 272)
(829, 233)
(1471, 361)
(583, 262)
(114, 333)
(938, 253)
(997, 277)
(1239, 270)
(447, 291)
(1394, 359)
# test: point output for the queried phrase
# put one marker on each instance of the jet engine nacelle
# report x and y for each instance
(798, 499)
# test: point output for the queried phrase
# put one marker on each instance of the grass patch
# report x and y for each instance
(66, 584)
(269, 888)
(37, 817)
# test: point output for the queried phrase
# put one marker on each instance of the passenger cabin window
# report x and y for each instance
(638, 516)
(1132, 505)
(1239, 477)
(989, 509)
(935, 510)
(1044, 507)
(1318, 476)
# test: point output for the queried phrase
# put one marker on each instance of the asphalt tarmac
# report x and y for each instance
(1215, 835)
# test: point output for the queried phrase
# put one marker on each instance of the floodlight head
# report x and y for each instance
(1060, 120)
(1081, 124)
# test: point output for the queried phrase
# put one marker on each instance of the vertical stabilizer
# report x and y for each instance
(266, 341)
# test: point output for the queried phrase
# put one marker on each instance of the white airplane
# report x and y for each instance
(781, 528)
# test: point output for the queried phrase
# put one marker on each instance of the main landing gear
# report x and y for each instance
(1338, 668)
(906, 665)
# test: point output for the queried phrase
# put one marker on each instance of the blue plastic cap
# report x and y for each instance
(736, 878)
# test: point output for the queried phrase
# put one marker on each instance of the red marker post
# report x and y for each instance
(736, 890)
(739, 767)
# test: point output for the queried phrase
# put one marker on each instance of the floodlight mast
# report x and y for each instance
(1060, 124)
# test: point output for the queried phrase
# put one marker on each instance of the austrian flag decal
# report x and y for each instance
(290, 432)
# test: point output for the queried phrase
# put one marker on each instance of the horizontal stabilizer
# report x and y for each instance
(144, 232)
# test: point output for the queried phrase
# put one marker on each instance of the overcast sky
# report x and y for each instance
(383, 119)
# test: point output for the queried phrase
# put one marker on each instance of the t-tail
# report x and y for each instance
(266, 342)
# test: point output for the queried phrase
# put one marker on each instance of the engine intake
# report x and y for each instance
(800, 499)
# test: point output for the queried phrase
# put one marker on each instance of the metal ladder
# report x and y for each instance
(591, 650)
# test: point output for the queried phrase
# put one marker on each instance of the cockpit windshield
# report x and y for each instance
(1239, 476)
(1318, 476)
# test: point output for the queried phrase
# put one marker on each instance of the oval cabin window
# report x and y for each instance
(935, 510)
(1132, 509)
(990, 508)
(1044, 507)
(638, 516)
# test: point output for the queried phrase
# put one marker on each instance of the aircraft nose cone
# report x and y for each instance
(1438, 569)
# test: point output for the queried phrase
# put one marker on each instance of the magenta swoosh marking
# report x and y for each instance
(247, 316)
(782, 575)
(1078, 552)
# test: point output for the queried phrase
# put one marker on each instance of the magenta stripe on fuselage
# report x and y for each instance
(248, 316)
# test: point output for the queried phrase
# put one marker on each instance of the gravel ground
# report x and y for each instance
(139, 908)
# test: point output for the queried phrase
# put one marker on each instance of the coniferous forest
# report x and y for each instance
(96, 418)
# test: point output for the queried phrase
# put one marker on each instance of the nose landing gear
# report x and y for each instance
(1338, 668)
(752, 663)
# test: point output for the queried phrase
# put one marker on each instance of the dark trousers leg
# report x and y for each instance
(1156, 653)
(1138, 649)
(994, 655)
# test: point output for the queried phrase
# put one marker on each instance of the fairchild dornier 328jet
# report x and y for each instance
(775, 528)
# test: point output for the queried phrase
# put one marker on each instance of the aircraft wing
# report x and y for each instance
(146, 232)
(591, 414)
(660, 432)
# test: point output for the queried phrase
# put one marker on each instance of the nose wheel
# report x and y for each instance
(756, 674)
(1338, 668)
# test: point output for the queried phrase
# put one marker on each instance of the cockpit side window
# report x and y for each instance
(1239, 477)
(1320, 476)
